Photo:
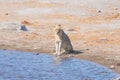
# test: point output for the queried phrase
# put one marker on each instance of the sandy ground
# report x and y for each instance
(93, 27)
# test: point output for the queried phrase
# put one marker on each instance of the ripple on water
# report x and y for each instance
(15, 65)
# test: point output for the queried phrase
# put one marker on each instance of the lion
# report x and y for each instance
(62, 41)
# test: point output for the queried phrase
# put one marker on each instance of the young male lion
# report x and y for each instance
(62, 41)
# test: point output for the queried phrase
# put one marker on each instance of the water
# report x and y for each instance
(15, 65)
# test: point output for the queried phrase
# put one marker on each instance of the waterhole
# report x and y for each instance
(15, 65)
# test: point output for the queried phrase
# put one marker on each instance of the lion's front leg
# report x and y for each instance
(59, 48)
(56, 48)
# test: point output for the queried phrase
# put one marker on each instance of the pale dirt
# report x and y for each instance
(94, 26)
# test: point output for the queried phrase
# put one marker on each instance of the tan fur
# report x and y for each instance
(62, 41)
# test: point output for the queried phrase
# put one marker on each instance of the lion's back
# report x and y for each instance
(66, 41)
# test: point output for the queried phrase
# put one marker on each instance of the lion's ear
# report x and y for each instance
(54, 26)
(59, 26)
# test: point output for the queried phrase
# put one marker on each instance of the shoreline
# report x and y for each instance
(83, 56)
